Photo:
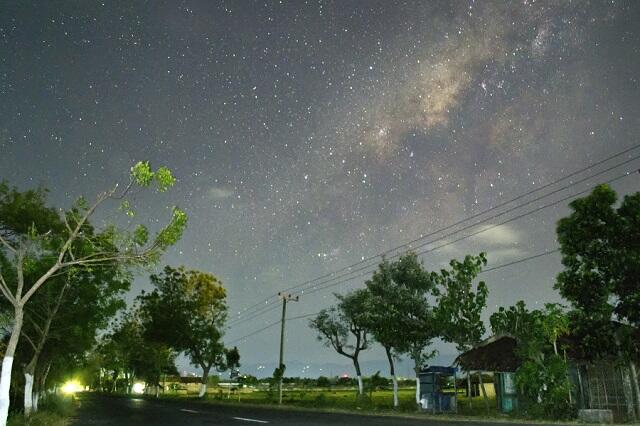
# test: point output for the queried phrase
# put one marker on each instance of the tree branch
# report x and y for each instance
(7, 245)
(26, 336)
(5, 290)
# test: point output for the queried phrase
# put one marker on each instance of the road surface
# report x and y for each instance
(104, 410)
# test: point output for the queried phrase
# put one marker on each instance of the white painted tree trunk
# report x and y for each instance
(203, 390)
(395, 390)
(5, 382)
(628, 394)
(360, 386)
(635, 378)
(418, 390)
(7, 364)
(36, 399)
(28, 393)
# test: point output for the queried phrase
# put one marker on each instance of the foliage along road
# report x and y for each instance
(107, 410)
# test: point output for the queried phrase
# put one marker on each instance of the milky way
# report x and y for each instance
(307, 136)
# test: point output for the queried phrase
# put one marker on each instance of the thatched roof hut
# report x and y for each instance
(497, 353)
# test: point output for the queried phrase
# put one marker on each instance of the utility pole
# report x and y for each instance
(286, 297)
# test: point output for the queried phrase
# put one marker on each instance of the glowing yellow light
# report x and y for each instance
(138, 387)
(71, 386)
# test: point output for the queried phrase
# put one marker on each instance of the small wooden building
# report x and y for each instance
(497, 354)
(605, 385)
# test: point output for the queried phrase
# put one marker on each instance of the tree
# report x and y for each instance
(30, 229)
(336, 324)
(385, 315)
(459, 306)
(188, 310)
(600, 246)
(416, 287)
(543, 376)
(88, 297)
(232, 360)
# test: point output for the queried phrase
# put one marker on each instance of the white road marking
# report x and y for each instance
(188, 411)
(250, 420)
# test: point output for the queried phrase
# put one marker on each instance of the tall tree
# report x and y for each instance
(460, 306)
(600, 246)
(543, 375)
(30, 229)
(385, 316)
(87, 296)
(416, 290)
(343, 328)
(188, 308)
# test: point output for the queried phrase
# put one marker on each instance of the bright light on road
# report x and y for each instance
(71, 386)
(138, 387)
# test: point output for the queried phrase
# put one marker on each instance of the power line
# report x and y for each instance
(505, 265)
(574, 173)
(267, 308)
(314, 290)
(271, 325)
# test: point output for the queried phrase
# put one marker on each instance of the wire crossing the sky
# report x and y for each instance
(314, 284)
(505, 265)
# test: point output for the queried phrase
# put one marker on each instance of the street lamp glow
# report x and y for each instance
(138, 388)
(70, 387)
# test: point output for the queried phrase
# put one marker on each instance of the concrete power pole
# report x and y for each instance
(286, 297)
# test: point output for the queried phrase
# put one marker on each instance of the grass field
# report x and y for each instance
(346, 399)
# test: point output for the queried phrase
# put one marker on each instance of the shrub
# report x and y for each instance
(53, 411)
(546, 387)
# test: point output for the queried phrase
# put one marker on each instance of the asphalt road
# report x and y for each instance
(105, 410)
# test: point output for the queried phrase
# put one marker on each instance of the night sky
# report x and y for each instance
(309, 135)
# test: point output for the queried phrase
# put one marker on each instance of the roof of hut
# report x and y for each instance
(497, 353)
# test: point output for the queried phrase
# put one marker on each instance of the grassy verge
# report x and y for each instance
(53, 410)
(345, 400)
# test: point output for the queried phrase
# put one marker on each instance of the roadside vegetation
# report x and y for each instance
(63, 281)
(54, 410)
(337, 399)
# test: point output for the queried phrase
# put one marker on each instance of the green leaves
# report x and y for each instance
(164, 179)
(459, 306)
(173, 231)
(600, 246)
(141, 235)
(125, 206)
(187, 311)
(142, 175)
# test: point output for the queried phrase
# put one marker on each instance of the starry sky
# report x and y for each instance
(309, 135)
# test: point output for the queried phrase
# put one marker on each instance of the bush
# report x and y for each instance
(53, 411)
(546, 387)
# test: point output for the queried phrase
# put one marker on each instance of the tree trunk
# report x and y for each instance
(30, 369)
(203, 382)
(628, 394)
(469, 390)
(484, 392)
(29, 373)
(416, 370)
(39, 385)
(356, 365)
(392, 371)
(7, 364)
(635, 378)
(28, 392)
